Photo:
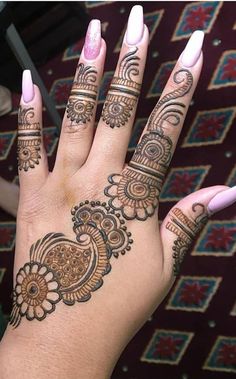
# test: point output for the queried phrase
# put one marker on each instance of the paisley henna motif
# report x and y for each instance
(61, 269)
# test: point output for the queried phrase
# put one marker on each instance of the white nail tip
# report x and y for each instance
(193, 49)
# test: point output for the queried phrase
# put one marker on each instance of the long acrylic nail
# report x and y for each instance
(93, 40)
(222, 200)
(27, 86)
(193, 49)
(135, 26)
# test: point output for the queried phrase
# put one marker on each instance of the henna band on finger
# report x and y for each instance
(136, 190)
(186, 230)
(123, 93)
(29, 139)
(82, 100)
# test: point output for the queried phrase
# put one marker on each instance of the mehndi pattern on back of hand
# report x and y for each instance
(62, 269)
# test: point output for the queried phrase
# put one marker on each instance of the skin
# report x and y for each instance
(85, 340)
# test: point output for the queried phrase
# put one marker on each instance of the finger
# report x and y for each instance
(136, 191)
(115, 125)
(32, 159)
(186, 219)
(157, 144)
(78, 122)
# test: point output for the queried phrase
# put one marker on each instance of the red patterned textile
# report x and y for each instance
(192, 335)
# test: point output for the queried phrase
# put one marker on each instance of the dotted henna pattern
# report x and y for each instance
(64, 270)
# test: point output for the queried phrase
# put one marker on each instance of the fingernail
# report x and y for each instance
(193, 49)
(27, 86)
(135, 25)
(222, 200)
(93, 40)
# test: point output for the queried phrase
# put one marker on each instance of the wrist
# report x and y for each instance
(24, 357)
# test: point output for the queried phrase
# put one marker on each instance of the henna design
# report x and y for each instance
(29, 139)
(186, 230)
(136, 190)
(62, 269)
(123, 93)
(167, 110)
(83, 95)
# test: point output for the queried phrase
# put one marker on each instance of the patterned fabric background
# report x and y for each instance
(192, 335)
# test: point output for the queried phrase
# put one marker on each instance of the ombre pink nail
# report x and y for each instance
(222, 200)
(27, 86)
(93, 40)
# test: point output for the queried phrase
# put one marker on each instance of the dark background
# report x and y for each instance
(47, 30)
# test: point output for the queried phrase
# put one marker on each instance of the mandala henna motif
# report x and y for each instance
(123, 93)
(29, 139)
(186, 230)
(136, 190)
(61, 269)
(83, 95)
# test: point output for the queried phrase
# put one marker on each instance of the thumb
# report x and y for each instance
(186, 219)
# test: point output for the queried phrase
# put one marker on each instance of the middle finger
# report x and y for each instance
(115, 125)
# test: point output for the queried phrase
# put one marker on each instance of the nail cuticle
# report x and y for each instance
(222, 200)
(192, 52)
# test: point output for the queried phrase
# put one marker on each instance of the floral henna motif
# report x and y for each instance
(186, 230)
(123, 93)
(136, 190)
(36, 293)
(61, 269)
(29, 139)
(83, 96)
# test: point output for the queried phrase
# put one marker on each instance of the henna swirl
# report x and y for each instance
(136, 190)
(123, 93)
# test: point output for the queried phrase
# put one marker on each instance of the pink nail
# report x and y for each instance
(193, 49)
(135, 26)
(93, 40)
(27, 86)
(222, 200)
